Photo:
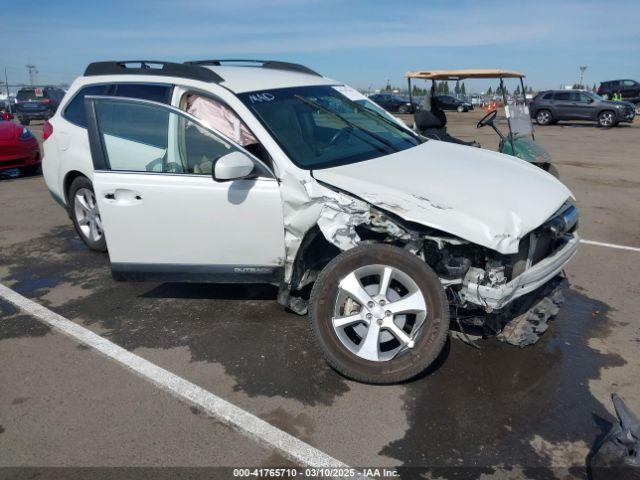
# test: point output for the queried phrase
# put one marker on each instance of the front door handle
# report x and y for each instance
(110, 196)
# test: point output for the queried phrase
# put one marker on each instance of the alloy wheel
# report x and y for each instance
(378, 313)
(606, 119)
(543, 117)
(87, 214)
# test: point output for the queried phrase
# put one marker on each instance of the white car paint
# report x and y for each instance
(481, 196)
(190, 219)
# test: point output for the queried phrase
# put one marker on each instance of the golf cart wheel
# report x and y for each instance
(460, 108)
(544, 117)
(403, 109)
(83, 210)
(607, 119)
(379, 314)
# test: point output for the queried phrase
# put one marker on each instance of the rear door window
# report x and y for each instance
(563, 96)
(547, 96)
(156, 93)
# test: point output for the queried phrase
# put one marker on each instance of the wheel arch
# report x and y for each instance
(68, 180)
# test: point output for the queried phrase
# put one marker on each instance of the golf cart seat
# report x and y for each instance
(432, 124)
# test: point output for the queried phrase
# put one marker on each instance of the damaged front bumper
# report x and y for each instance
(490, 295)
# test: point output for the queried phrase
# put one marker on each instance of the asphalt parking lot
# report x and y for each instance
(494, 412)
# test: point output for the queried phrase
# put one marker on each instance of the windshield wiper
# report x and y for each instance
(349, 123)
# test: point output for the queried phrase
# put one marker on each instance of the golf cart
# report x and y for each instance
(519, 142)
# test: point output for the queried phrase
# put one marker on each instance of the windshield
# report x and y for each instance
(319, 127)
(355, 96)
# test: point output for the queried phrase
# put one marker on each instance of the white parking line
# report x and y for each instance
(610, 245)
(292, 448)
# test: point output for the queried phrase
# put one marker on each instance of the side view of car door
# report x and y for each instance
(564, 105)
(163, 212)
(629, 89)
(583, 106)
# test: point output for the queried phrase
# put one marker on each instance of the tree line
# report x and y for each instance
(442, 88)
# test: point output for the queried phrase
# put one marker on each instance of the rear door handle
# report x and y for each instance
(123, 196)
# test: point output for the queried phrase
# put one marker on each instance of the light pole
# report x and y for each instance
(32, 73)
(6, 80)
(581, 81)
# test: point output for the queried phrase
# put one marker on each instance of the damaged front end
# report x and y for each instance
(480, 282)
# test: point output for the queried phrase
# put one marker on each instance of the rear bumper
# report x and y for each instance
(497, 297)
(34, 114)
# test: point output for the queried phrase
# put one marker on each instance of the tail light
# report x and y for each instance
(599, 89)
(47, 130)
(46, 101)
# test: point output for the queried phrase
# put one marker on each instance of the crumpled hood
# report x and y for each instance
(481, 196)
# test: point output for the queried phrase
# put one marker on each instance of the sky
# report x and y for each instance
(363, 43)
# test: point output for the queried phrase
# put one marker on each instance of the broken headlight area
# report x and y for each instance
(513, 296)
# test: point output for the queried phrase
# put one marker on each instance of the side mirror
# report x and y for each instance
(232, 166)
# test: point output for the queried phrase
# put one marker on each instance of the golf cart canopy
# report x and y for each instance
(463, 74)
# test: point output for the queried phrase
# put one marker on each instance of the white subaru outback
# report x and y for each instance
(240, 172)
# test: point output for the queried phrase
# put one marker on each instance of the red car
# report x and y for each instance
(18, 148)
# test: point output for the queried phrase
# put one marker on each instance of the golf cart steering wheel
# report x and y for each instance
(487, 119)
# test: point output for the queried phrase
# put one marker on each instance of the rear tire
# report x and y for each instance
(637, 108)
(83, 211)
(403, 109)
(402, 345)
(544, 117)
(461, 109)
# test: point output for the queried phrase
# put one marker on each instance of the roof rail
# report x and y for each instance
(274, 64)
(152, 67)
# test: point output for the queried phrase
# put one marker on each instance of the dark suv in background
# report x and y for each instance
(37, 103)
(394, 103)
(551, 106)
(626, 88)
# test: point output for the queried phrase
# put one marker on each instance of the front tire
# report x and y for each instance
(379, 314)
(607, 119)
(544, 117)
(84, 213)
(461, 109)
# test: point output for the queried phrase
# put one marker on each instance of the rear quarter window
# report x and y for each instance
(75, 109)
